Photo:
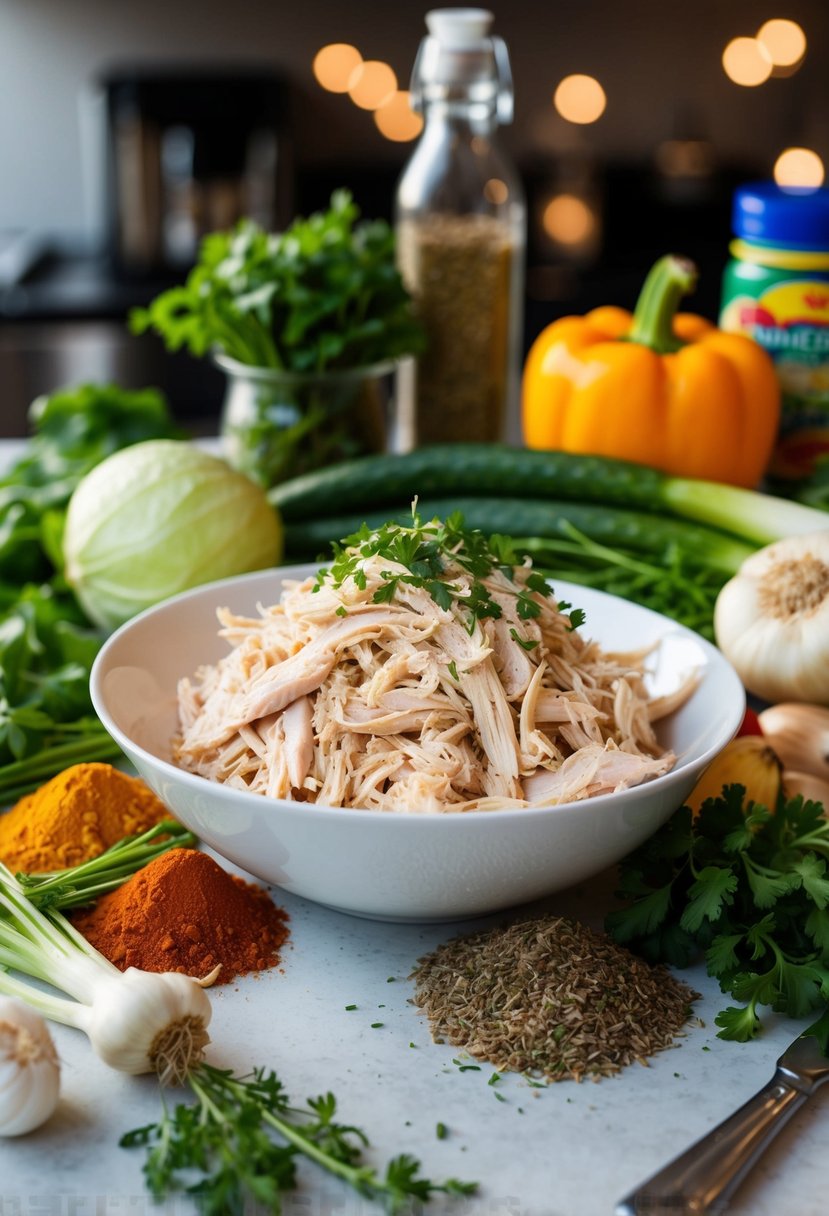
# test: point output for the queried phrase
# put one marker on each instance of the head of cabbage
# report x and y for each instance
(158, 518)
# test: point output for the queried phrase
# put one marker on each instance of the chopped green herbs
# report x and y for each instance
(440, 1131)
(350, 1007)
(525, 643)
(428, 552)
(747, 886)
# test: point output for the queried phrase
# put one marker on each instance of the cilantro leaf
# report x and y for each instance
(812, 870)
(708, 896)
(642, 917)
(721, 956)
(748, 888)
(739, 1025)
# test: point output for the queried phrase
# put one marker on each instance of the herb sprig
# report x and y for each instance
(428, 551)
(324, 294)
(228, 1137)
(747, 886)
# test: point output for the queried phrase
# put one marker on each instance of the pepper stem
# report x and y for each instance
(669, 279)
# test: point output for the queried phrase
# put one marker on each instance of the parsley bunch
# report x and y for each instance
(227, 1138)
(746, 885)
(324, 294)
(428, 551)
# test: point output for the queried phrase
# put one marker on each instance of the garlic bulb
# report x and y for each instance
(142, 1021)
(772, 620)
(799, 735)
(29, 1069)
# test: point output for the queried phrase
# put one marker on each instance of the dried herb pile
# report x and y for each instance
(549, 997)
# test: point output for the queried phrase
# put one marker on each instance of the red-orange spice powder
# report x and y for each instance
(183, 912)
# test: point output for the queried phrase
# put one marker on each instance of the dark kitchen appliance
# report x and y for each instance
(189, 151)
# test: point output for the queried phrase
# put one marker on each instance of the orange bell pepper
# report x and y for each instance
(660, 388)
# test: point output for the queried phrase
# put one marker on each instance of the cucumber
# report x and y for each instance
(521, 517)
(467, 468)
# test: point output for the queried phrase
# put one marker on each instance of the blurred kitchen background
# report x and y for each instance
(127, 130)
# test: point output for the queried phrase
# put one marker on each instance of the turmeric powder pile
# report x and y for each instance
(76, 816)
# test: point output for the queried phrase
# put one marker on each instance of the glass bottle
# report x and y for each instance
(461, 233)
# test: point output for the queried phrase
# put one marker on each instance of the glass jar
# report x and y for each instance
(278, 424)
(776, 291)
(461, 234)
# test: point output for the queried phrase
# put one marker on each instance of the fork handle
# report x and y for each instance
(704, 1178)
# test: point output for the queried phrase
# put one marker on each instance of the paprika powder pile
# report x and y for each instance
(75, 817)
(183, 912)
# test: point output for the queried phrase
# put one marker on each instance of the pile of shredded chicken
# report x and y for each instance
(328, 697)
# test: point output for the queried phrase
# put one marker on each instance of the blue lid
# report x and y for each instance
(795, 217)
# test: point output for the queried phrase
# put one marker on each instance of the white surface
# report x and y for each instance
(567, 1150)
(399, 866)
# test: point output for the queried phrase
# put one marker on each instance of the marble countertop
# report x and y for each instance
(565, 1150)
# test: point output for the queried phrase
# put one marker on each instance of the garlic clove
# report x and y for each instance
(799, 735)
(29, 1069)
(810, 787)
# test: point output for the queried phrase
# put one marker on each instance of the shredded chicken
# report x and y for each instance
(333, 698)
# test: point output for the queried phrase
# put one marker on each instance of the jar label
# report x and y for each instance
(790, 320)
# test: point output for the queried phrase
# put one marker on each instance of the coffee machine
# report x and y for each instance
(191, 151)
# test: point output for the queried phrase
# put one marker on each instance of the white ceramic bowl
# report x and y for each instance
(398, 866)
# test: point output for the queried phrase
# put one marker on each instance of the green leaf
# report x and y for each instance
(768, 887)
(721, 955)
(817, 927)
(640, 918)
(712, 891)
(812, 872)
(739, 1025)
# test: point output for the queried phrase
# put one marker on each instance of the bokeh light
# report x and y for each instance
(396, 119)
(568, 219)
(784, 41)
(335, 65)
(372, 85)
(580, 99)
(496, 191)
(799, 167)
(747, 62)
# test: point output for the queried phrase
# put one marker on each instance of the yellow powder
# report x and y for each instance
(75, 817)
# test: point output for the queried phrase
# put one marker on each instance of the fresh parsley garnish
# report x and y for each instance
(429, 552)
(240, 1139)
(323, 294)
(747, 887)
(524, 643)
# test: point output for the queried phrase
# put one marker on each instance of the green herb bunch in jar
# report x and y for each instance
(309, 326)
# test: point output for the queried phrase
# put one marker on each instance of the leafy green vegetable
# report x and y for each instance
(324, 294)
(748, 887)
(46, 643)
(227, 1138)
(427, 550)
(158, 518)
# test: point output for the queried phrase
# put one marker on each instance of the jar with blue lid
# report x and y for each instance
(776, 291)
